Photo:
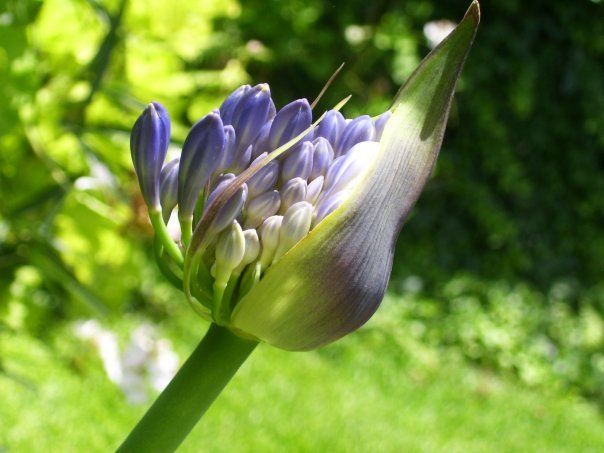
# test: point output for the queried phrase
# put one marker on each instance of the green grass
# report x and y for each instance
(376, 390)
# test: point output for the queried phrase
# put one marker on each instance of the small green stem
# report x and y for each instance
(186, 228)
(161, 231)
(196, 385)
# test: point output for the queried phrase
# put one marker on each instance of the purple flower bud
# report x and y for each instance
(322, 157)
(298, 162)
(328, 205)
(292, 192)
(289, 122)
(201, 154)
(261, 142)
(241, 161)
(228, 154)
(261, 207)
(230, 103)
(360, 129)
(149, 142)
(345, 169)
(229, 211)
(221, 184)
(380, 123)
(265, 178)
(295, 225)
(251, 113)
(168, 188)
(331, 127)
(314, 189)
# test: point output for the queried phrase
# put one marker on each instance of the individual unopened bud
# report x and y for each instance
(149, 142)
(289, 122)
(298, 163)
(251, 113)
(230, 249)
(252, 250)
(201, 154)
(292, 192)
(261, 207)
(296, 224)
(314, 189)
(358, 130)
(322, 157)
(241, 160)
(380, 123)
(168, 188)
(231, 102)
(327, 205)
(229, 151)
(228, 212)
(331, 127)
(345, 169)
(269, 239)
(265, 178)
(261, 143)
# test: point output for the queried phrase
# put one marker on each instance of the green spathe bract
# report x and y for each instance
(333, 280)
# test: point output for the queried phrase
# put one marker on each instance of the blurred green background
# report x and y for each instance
(492, 333)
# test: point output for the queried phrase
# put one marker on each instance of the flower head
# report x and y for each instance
(295, 222)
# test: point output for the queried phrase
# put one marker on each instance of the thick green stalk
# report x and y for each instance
(196, 385)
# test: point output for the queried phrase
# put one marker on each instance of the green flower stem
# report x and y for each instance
(196, 385)
(161, 231)
(186, 228)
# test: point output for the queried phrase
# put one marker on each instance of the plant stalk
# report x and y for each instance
(190, 393)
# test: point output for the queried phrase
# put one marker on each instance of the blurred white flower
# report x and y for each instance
(146, 362)
(437, 30)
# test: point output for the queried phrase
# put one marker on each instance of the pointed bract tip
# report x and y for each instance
(474, 11)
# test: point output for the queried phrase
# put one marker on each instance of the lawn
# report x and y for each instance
(375, 390)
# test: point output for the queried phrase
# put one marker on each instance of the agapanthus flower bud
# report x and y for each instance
(201, 155)
(229, 151)
(252, 249)
(230, 249)
(253, 110)
(380, 123)
(292, 192)
(313, 189)
(322, 157)
(261, 207)
(269, 239)
(149, 142)
(265, 179)
(231, 102)
(290, 121)
(241, 161)
(298, 163)
(360, 129)
(229, 211)
(296, 224)
(327, 205)
(331, 127)
(168, 188)
(345, 169)
(261, 143)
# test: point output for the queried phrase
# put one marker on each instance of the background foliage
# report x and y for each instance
(501, 262)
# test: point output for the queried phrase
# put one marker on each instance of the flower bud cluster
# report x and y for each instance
(281, 203)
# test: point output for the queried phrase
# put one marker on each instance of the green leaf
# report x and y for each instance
(333, 280)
